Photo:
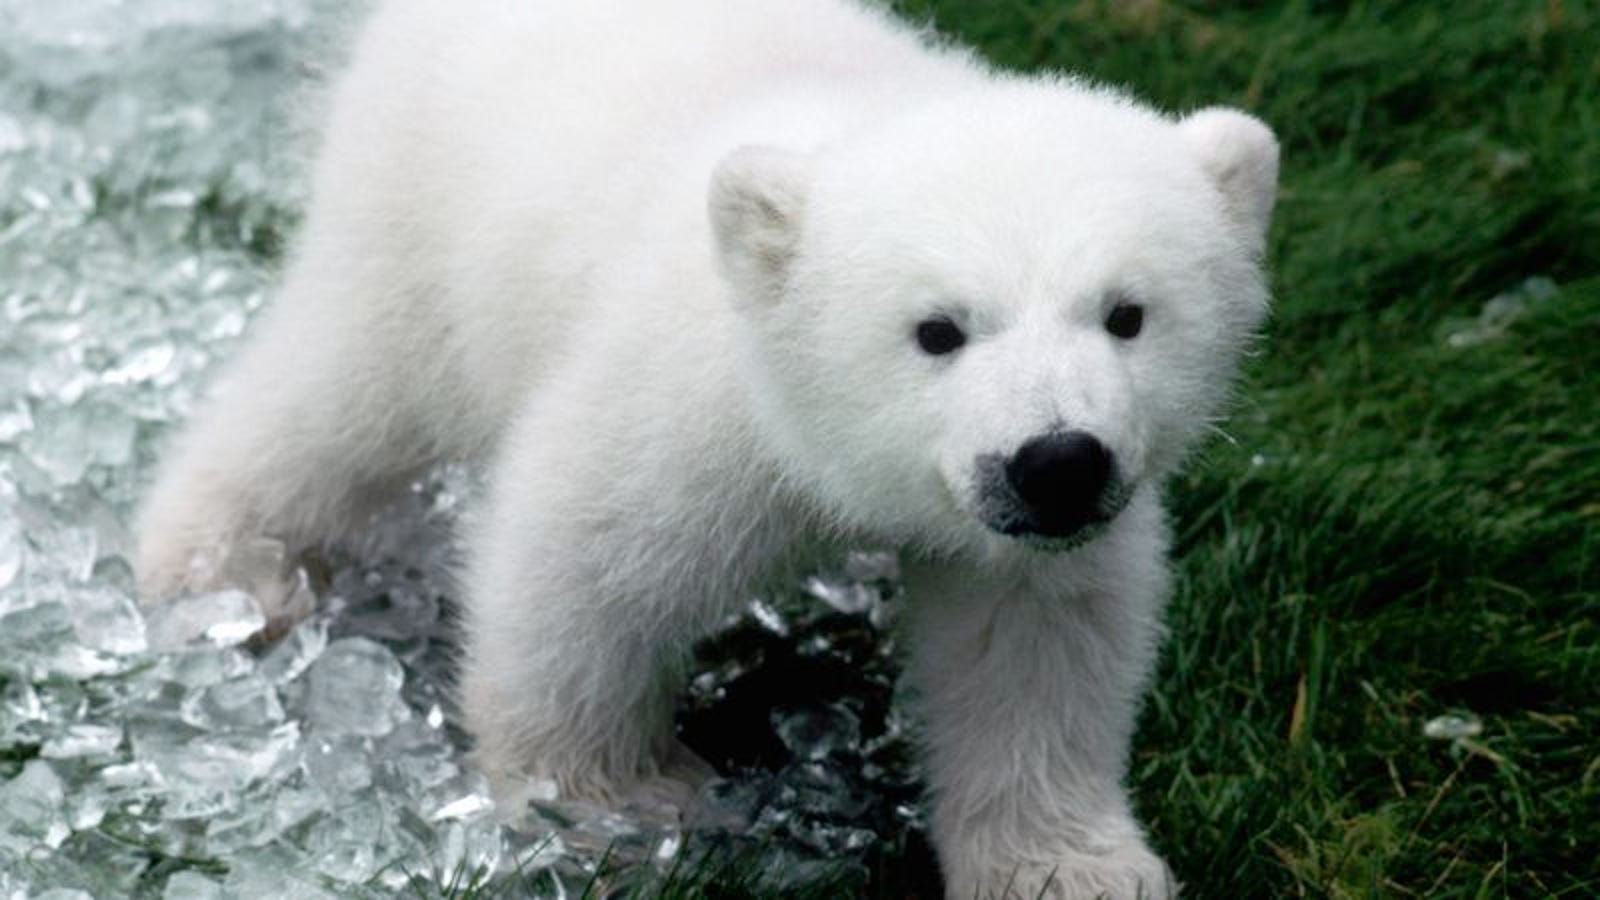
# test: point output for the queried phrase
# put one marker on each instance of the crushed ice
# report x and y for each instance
(1452, 727)
(145, 186)
(1500, 312)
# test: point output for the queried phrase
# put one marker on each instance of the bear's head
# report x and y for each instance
(996, 317)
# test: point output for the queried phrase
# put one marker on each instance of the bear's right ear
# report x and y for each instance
(756, 201)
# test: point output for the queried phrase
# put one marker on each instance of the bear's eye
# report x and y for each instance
(938, 336)
(1125, 320)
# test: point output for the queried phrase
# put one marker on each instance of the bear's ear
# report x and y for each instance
(1241, 156)
(756, 201)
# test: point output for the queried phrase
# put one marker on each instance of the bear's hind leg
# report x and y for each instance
(305, 434)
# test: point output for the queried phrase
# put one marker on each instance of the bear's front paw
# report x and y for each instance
(662, 794)
(1126, 872)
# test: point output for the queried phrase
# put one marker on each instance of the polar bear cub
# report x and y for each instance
(718, 288)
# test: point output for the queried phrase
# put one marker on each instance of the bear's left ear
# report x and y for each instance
(756, 201)
(1241, 156)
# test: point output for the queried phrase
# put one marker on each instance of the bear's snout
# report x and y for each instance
(1053, 486)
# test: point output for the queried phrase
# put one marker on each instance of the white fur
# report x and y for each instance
(509, 257)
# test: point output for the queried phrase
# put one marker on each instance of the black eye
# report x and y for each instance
(1125, 320)
(938, 336)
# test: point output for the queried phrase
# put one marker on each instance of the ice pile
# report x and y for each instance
(137, 749)
(146, 181)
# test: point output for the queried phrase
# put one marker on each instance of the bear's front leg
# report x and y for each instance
(590, 577)
(1029, 679)
(576, 649)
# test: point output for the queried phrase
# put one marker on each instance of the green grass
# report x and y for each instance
(1405, 527)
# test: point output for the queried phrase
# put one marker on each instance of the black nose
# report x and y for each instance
(1059, 478)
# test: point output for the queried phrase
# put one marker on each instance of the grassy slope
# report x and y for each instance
(1421, 531)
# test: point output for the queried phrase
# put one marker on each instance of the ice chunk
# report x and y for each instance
(816, 790)
(417, 755)
(354, 688)
(260, 567)
(470, 848)
(87, 865)
(769, 617)
(249, 701)
(205, 771)
(108, 620)
(222, 618)
(148, 360)
(273, 872)
(295, 653)
(200, 666)
(15, 420)
(814, 733)
(32, 810)
(79, 662)
(257, 820)
(729, 804)
(849, 597)
(20, 711)
(10, 546)
(191, 885)
(60, 552)
(1452, 727)
(339, 765)
(464, 796)
(66, 440)
(340, 844)
(58, 377)
(87, 804)
(31, 633)
(1502, 311)
(533, 851)
(85, 739)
